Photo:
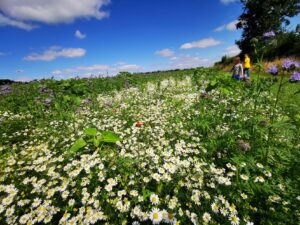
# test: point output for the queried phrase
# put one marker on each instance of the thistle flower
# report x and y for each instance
(48, 101)
(43, 89)
(5, 89)
(273, 70)
(86, 101)
(295, 77)
(244, 146)
(290, 64)
(269, 34)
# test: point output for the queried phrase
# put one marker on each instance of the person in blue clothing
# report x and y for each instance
(237, 70)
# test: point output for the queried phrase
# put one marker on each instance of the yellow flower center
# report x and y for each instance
(155, 216)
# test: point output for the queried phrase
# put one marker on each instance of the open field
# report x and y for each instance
(180, 147)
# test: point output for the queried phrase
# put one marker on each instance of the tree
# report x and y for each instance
(262, 16)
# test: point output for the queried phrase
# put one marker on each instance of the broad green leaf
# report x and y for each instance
(80, 143)
(77, 100)
(97, 141)
(90, 132)
(213, 83)
(109, 137)
(67, 98)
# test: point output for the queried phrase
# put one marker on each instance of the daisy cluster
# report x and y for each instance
(159, 173)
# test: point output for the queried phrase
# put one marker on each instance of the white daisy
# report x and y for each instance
(155, 216)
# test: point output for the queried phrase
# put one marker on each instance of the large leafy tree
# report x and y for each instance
(261, 16)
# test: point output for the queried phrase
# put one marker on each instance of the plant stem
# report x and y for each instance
(270, 135)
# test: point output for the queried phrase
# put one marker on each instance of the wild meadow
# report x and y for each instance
(182, 147)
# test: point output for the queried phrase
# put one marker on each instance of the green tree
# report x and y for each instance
(260, 16)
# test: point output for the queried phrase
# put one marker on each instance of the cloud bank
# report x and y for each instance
(55, 52)
(203, 43)
(22, 14)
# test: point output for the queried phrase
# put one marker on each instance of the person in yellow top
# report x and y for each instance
(247, 65)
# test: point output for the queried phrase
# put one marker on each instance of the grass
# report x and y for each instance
(175, 147)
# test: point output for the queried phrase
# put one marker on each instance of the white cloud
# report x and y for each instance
(183, 61)
(129, 67)
(230, 26)
(79, 35)
(2, 54)
(83, 71)
(220, 28)
(165, 52)
(232, 51)
(203, 43)
(5, 21)
(21, 13)
(55, 52)
(188, 61)
(228, 1)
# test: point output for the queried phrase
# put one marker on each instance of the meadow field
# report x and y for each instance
(178, 147)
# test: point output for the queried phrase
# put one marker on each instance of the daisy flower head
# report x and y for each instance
(244, 177)
(155, 216)
(194, 218)
(169, 217)
(206, 217)
(259, 165)
(154, 199)
(215, 207)
(234, 220)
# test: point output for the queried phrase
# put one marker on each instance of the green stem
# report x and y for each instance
(270, 134)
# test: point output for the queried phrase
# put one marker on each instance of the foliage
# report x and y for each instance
(260, 17)
(199, 156)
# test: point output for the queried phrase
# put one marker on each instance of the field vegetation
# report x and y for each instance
(178, 147)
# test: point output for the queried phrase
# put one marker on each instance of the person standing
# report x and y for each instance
(247, 65)
(237, 69)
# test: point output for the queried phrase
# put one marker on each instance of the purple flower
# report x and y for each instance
(290, 64)
(273, 70)
(269, 34)
(295, 76)
(48, 101)
(43, 89)
(86, 101)
(5, 89)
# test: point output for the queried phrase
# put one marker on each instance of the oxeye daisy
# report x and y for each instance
(215, 207)
(155, 216)
(206, 217)
(154, 199)
(234, 220)
(244, 177)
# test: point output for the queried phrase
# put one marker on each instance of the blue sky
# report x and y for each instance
(67, 38)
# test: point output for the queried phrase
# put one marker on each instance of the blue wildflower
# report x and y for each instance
(48, 101)
(269, 34)
(43, 89)
(290, 64)
(273, 70)
(295, 77)
(5, 89)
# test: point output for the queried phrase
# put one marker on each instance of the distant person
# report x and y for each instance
(247, 65)
(237, 69)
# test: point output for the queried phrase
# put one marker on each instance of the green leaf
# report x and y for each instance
(90, 132)
(67, 98)
(80, 143)
(213, 83)
(109, 137)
